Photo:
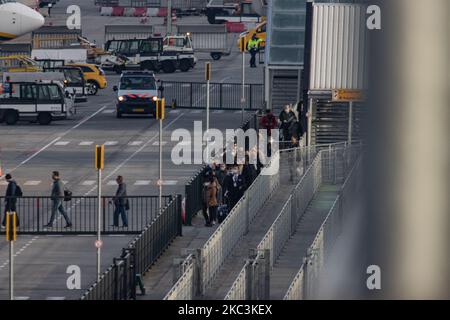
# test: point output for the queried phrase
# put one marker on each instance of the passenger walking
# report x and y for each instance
(212, 202)
(287, 120)
(253, 46)
(205, 202)
(12, 192)
(295, 160)
(121, 203)
(235, 187)
(57, 196)
(269, 122)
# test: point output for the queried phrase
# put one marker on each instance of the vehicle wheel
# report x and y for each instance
(118, 69)
(168, 67)
(11, 117)
(44, 118)
(216, 55)
(92, 88)
(185, 65)
(119, 115)
(148, 66)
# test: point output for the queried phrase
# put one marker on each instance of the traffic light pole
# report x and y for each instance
(11, 270)
(243, 85)
(99, 223)
(160, 163)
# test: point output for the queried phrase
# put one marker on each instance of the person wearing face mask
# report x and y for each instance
(236, 187)
(205, 202)
(287, 120)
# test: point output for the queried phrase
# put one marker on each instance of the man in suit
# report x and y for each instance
(120, 202)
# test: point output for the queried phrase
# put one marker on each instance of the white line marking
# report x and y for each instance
(170, 183)
(62, 143)
(22, 298)
(57, 139)
(32, 183)
(86, 143)
(196, 111)
(88, 183)
(174, 111)
(55, 298)
(142, 183)
(135, 143)
(112, 183)
(157, 143)
(109, 111)
(110, 143)
(218, 111)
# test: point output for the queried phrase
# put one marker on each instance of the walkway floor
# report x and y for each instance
(291, 258)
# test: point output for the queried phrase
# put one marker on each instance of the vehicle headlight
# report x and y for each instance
(121, 98)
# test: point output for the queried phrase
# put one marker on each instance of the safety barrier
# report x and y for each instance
(119, 281)
(35, 212)
(306, 282)
(222, 95)
(184, 288)
(319, 170)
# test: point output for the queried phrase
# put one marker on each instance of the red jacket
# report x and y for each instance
(269, 122)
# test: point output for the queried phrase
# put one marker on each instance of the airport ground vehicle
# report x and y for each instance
(217, 12)
(137, 93)
(94, 77)
(154, 53)
(74, 81)
(43, 102)
(259, 31)
(18, 63)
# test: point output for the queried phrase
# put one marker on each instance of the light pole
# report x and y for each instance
(99, 164)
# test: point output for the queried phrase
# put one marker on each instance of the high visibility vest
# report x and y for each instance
(254, 43)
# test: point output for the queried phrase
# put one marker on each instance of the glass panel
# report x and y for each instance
(137, 83)
(54, 93)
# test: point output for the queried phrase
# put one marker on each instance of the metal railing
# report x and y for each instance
(222, 95)
(184, 288)
(306, 282)
(319, 170)
(35, 212)
(119, 281)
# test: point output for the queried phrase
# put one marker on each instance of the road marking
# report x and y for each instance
(157, 143)
(88, 183)
(57, 139)
(175, 111)
(86, 143)
(196, 111)
(21, 298)
(170, 182)
(109, 111)
(55, 298)
(238, 111)
(142, 183)
(218, 111)
(110, 143)
(32, 183)
(135, 143)
(111, 183)
(62, 143)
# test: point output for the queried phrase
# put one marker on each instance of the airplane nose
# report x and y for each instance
(31, 19)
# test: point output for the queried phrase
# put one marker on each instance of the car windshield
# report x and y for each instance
(138, 83)
(73, 75)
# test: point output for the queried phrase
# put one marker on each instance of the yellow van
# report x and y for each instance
(260, 32)
(93, 76)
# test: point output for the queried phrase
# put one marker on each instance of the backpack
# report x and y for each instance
(19, 192)
(67, 195)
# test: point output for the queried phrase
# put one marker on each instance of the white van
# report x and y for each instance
(40, 101)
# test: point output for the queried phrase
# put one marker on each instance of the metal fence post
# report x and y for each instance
(199, 271)
(249, 280)
(191, 99)
(247, 213)
(266, 274)
(38, 205)
(179, 220)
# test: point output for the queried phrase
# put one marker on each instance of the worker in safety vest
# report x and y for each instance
(253, 47)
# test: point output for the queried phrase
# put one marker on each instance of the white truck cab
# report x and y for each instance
(41, 101)
(137, 93)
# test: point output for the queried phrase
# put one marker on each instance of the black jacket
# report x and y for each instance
(10, 195)
(121, 195)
